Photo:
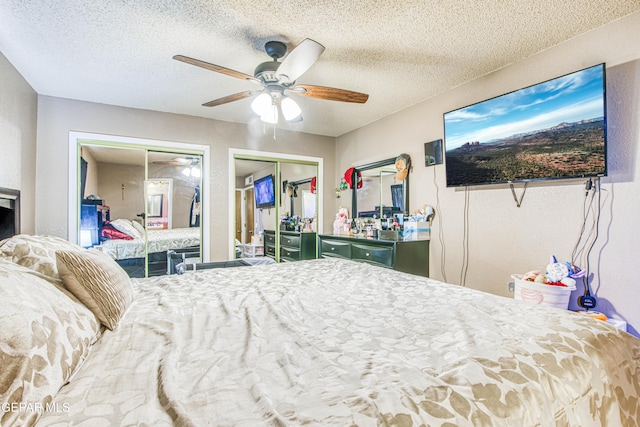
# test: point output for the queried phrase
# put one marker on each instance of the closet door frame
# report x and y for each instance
(78, 139)
(277, 158)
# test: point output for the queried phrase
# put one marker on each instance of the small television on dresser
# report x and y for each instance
(552, 130)
(264, 192)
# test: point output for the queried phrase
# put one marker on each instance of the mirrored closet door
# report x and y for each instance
(276, 208)
(140, 206)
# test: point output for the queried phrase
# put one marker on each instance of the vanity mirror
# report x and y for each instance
(302, 199)
(381, 194)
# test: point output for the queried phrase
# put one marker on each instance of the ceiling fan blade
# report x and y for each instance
(216, 68)
(330, 93)
(300, 59)
(230, 98)
(159, 162)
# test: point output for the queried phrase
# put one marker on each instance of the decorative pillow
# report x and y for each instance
(37, 253)
(126, 227)
(139, 227)
(99, 282)
(45, 335)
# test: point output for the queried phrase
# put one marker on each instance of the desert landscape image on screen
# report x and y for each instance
(555, 129)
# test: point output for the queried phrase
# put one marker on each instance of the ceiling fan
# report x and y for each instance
(278, 80)
(191, 165)
(179, 161)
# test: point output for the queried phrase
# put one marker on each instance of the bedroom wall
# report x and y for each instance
(502, 238)
(57, 116)
(111, 176)
(18, 124)
(91, 184)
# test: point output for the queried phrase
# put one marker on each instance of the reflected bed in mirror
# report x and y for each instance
(128, 245)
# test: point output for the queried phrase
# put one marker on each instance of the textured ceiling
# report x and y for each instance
(120, 52)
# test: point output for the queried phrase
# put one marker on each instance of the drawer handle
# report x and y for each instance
(333, 249)
(367, 254)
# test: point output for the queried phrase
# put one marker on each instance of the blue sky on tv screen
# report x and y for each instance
(571, 98)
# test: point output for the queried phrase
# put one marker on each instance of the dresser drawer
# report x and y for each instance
(289, 254)
(380, 255)
(270, 250)
(270, 238)
(335, 248)
(291, 241)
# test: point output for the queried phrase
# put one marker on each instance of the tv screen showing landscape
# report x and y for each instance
(552, 130)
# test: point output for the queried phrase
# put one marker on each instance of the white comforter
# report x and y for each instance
(333, 342)
(158, 241)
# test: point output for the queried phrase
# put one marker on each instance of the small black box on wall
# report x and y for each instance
(433, 153)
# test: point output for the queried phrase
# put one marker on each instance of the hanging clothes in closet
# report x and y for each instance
(194, 220)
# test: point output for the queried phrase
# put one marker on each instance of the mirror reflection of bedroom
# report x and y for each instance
(251, 221)
(139, 205)
(256, 215)
(380, 195)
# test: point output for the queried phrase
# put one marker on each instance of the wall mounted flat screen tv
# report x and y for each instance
(264, 192)
(552, 130)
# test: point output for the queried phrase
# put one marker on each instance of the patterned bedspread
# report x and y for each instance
(159, 241)
(333, 342)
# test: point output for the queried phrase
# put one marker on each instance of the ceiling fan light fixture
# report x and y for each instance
(191, 171)
(290, 109)
(270, 115)
(266, 106)
(261, 104)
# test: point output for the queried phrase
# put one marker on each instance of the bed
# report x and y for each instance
(320, 342)
(124, 241)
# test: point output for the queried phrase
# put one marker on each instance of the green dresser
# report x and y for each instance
(294, 246)
(411, 256)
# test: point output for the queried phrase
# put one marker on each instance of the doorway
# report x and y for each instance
(244, 214)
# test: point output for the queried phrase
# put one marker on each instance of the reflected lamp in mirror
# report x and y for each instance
(191, 171)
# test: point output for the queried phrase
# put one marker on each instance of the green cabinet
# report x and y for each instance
(411, 256)
(293, 246)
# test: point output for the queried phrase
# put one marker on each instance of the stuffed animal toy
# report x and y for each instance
(341, 219)
(557, 273)
(425, 213)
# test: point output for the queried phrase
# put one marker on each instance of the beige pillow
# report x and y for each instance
(45, 335)
(98, 281)
(37, 253)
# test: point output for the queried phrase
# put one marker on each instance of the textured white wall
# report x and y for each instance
(502, 238)
(18, 107)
